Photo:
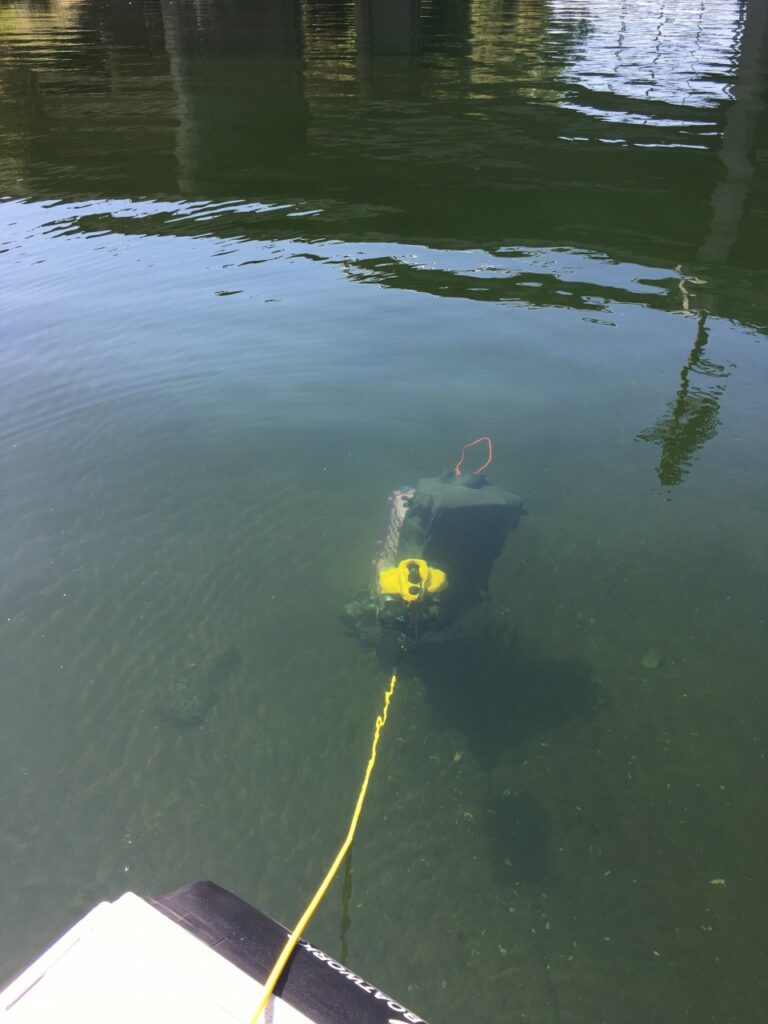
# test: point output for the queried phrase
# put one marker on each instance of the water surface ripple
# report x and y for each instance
(263, 261)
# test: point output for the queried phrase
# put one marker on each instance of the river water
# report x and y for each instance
(263, 261)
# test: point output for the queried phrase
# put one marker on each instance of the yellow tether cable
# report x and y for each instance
(295, 935)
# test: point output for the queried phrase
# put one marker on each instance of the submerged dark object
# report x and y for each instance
(194, 691)
(456, 525)
(459, 524)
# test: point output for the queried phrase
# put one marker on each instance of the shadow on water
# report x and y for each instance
(487, 686)
(490, 688)
(519, 831)
(346, 900)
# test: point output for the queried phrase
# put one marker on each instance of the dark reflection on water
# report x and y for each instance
(268, 259)
(693, 417)
(469, 124)
(483, 125)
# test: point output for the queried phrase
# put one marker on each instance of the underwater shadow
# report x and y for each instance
(487, 686)
(519, 832)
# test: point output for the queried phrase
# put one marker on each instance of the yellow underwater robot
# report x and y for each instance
(434, 561)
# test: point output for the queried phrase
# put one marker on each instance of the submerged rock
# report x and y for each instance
(191, 696)
(651, 659)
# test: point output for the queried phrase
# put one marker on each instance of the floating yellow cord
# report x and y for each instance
(295, 935)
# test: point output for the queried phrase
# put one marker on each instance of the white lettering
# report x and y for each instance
(370, 990)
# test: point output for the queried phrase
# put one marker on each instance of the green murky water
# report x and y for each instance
(263, 261)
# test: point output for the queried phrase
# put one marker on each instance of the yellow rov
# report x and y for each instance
(411, 580)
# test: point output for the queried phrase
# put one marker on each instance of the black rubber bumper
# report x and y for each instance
(321, 988)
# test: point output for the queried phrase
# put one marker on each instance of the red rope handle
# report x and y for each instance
(485, 465)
